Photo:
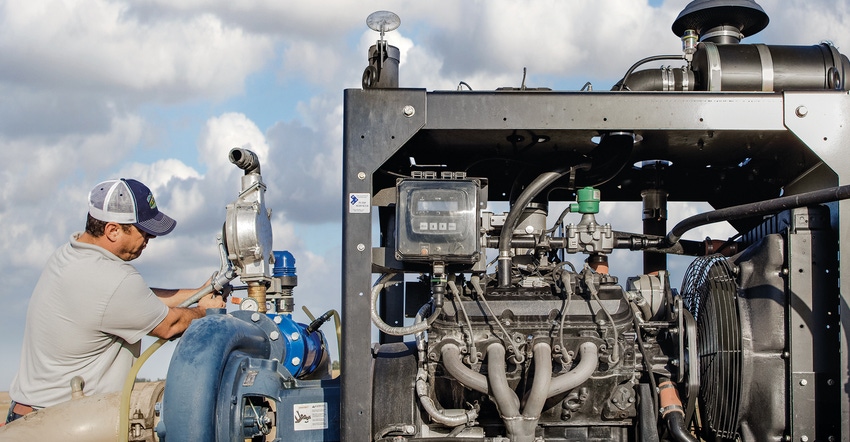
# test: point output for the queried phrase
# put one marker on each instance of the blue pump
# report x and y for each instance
(229, 372)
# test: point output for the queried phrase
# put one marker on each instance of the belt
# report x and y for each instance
(22, 409)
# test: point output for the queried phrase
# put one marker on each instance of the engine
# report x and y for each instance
(510, 325)
(549, 350)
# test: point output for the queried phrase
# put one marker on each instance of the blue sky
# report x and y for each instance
(160, 91)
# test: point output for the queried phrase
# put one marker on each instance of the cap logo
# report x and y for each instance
(151, 201)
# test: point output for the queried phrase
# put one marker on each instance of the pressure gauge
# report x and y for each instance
(249, 304)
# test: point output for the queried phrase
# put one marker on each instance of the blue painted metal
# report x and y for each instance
(226, 372)
(304, 351)
(195, 373)
(284, 263)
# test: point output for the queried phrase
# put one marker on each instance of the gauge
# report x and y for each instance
(249, 304)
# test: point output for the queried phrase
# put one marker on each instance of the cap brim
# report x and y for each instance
(159, 225)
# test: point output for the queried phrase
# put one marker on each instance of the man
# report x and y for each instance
(90, 308)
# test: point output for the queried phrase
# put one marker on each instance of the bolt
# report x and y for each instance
(408, 111)
(296, 361)
(361, 175)
(274, 335)
(804, 438)
(801, 111)
(294, 336)
(803, 382)
(277, 319)
(361, 247)
(830, 382)
(255, 317)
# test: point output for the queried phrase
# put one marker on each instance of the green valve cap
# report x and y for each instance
(588, 201)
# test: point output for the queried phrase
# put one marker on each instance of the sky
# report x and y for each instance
(160, 91)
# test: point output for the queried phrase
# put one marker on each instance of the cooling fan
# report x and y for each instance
(710, 293)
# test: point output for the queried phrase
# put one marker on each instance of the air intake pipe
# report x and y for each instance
(719, 63)
(760, 68)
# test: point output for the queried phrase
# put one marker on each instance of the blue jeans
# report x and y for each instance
(12, 415)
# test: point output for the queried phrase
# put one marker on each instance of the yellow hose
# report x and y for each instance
(124, 409)
(338, 324)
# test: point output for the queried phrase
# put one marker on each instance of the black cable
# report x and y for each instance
(652, 382)
(757, 209)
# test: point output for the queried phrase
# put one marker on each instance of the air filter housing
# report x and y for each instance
(721, 21)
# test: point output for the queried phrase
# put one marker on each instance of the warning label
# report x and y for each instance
(359, 203)
(310, 416)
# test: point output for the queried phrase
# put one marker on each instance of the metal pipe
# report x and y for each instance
(87, 419)
(759, 208)
(450, 354)
(589, 354)
(257, 292)
(622, 82)
(506, 399)
(245, 160)
(654, 223)
(542, 380)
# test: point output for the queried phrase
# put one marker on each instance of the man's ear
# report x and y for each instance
(112, 230)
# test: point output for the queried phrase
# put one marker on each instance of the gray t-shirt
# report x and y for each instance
(86, 317)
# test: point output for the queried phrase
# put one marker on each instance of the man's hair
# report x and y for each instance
(95, 227)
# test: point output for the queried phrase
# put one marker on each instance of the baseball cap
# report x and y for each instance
(127, 201)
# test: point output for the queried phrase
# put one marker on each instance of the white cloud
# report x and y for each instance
(99, 47)
(80, 82)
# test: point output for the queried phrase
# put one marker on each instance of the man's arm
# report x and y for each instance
(174, 297)
(176, 322)
(179, 318)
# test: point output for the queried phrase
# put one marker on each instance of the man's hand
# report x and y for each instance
(212, 300)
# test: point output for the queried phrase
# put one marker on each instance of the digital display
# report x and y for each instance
(437, 206)
(437, 220)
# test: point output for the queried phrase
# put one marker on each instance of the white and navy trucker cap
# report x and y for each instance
(128, 201)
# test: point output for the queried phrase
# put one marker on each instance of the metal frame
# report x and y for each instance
(378, 123)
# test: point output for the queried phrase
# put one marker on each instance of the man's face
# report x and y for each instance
(131, 242)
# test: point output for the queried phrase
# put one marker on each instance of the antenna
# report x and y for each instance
(382, 71)
(383, 22)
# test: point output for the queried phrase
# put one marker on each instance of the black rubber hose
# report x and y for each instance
(756, 209)
(536, 186)
(676, 426)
